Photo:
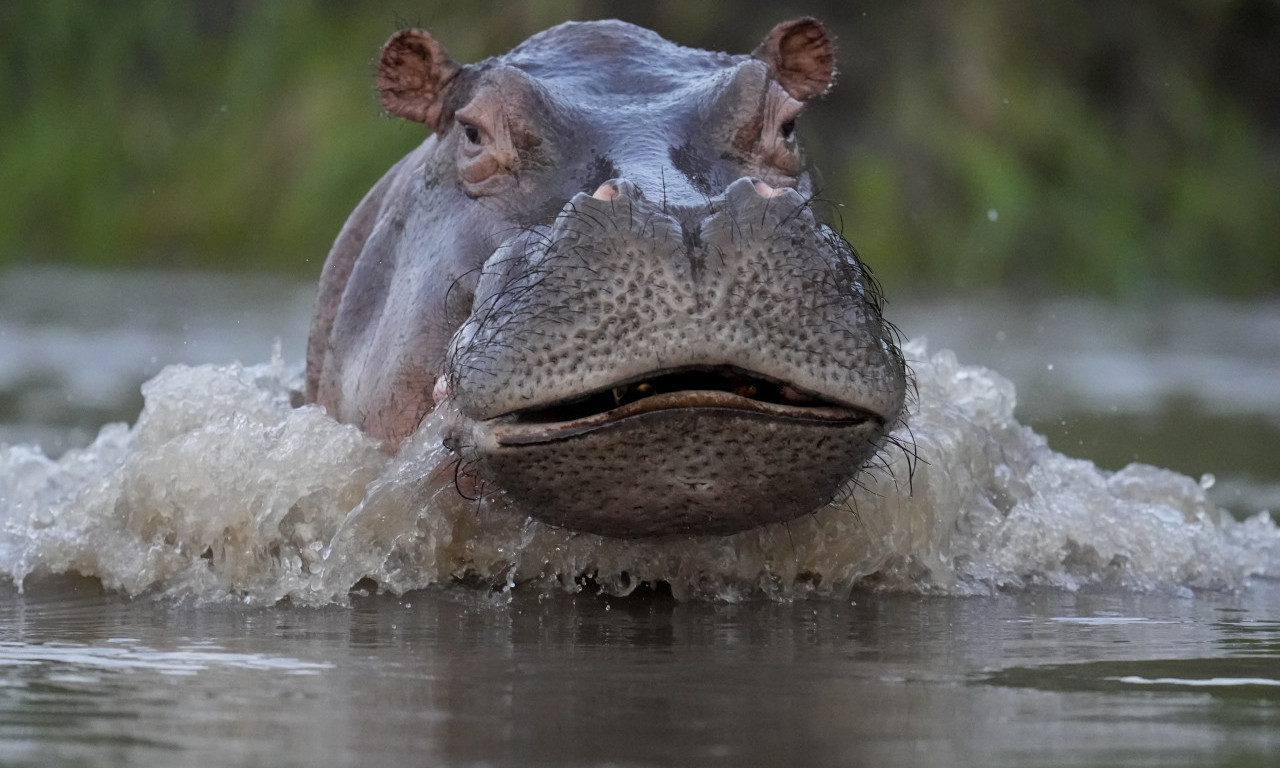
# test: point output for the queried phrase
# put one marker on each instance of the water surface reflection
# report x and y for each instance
(460, 676)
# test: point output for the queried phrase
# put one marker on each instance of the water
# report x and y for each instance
(1017, 607)
(457, 676)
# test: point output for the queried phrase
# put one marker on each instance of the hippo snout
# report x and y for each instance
(635, 369)
(615, 290)
(640, 326)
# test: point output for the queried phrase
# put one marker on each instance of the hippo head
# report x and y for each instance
(605, 259)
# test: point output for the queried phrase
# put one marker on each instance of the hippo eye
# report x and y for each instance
(788, 129)
(470, 131)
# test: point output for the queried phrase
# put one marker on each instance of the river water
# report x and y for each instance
(179, 585)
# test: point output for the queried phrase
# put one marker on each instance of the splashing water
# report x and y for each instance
(225, 491)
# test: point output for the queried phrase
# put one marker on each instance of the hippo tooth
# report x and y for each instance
(440, 391)
(766, 190)
(606, 191)
(791, 395)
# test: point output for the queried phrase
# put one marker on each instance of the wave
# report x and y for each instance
(224, 490)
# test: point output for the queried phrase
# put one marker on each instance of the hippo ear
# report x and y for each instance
(802, 57)
(413, 71)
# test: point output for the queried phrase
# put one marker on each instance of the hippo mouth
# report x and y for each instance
(703, 389)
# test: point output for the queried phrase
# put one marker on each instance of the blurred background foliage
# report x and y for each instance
(1090, 147)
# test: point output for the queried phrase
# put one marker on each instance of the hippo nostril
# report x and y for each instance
(767, 191)
(606, 191)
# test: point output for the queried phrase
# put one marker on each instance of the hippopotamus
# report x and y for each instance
(604, 266)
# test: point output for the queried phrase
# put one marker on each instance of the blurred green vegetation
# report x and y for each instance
(1092, 146)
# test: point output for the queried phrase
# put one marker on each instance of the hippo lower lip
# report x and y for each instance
(726, 389)
(676, 458)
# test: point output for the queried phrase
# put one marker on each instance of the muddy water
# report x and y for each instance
(459, 676)
(1017, 607)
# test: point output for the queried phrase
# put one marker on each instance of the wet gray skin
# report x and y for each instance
(605, 260)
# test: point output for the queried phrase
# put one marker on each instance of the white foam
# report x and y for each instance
(224, 491)
(1211, 682)
(83, 661)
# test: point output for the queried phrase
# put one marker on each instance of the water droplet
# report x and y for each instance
(1207, 480)
(993, 214)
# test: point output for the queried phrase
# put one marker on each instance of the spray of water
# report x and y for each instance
(225, 491)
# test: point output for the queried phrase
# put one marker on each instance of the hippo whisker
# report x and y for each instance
(881, 462)
(462, 471)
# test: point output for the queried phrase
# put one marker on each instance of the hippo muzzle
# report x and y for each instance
(632, 372)
(686, 351)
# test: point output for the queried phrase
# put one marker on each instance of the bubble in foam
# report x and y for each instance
(225, 491)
